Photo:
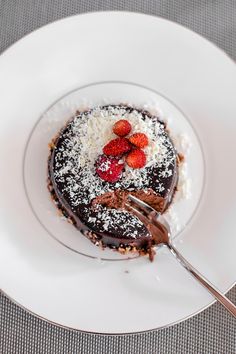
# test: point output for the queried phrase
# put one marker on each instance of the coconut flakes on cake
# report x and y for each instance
(88, 133)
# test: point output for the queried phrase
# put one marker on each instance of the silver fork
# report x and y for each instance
(160, 230)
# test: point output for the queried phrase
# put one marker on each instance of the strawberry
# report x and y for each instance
(136, 158)
(139, 139)
(122, 127)
(117, 147)
(109, 168)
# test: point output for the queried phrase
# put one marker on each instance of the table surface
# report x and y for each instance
(211, 332)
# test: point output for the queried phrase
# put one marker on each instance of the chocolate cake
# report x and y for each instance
(96, 206)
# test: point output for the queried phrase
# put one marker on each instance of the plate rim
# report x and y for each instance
(129, 13)
(111, 333)
(103, 12)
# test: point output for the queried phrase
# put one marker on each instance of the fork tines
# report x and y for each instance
(146, 209)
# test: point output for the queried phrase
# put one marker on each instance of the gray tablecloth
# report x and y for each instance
(211, 332)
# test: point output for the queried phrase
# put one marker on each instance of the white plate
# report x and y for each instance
(116, 55)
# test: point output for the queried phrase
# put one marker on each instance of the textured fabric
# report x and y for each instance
(214, 19)
(211, 332)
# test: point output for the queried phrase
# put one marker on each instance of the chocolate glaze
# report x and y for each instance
(82, 214)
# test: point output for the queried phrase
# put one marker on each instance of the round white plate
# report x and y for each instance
(116, 55)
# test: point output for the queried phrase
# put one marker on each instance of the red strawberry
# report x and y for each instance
(109, 168)
(122, 127)
(117, 147)
(136, 159)
(139, 139)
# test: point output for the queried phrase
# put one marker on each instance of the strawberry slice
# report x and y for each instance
(122, 127)
(139, 139)
(109, 168)
(136, 158)
(116, 147)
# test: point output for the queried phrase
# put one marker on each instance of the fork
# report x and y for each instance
(161, 233)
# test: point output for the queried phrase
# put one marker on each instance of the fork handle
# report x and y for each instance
(202, 280)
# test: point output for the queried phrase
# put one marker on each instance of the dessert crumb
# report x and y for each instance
(181, 157)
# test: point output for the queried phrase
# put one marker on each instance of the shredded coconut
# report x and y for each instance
(84, 140)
